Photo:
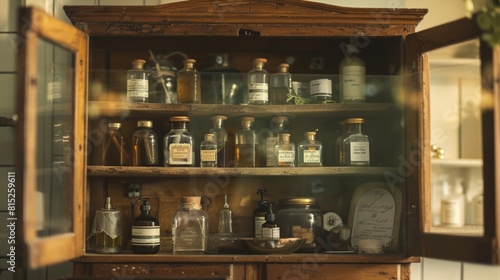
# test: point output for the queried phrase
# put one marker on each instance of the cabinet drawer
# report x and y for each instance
(162, 271)
(310, 270)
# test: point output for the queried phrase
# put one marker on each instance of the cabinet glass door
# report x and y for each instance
(51, 107)
(458, 183)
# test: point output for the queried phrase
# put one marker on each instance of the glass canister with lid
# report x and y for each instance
(301, 218)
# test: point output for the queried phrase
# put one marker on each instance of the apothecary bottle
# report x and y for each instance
(310, 151)
(352, 76)
(115, 150)
(356, 145)
(246, 144)
(178, 143)
(188, 83)
(163, 81)
(280, 85)
(145, 145)
(190, 227)
(138, 82)
(220, 137)
(145, 230)
(278, 125)
(208, 151)
(284, 151)
(258, 83)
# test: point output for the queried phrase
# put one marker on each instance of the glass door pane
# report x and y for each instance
(456, 140)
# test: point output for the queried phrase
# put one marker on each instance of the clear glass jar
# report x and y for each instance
(178, 143)
(278, 125)
(246, 144)
(138, 82)
(284, 151)
(258, 83)
(310, 151)
(208, 151)
(115, 149)
(145, 145)
(356, 145)
(301, 218)
(190, 227)
(281, 85)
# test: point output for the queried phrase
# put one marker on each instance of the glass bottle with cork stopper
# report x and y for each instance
(281, 85)
(356, 145)
(310, 151)
(178, 143)
(258, 83)
(284, 151)
(277, 127)
(190, 227)
(138, 82)
(115, 150)
(208, 151)
(247, 146)
(188, 83)
(220, 137)
(145, 145)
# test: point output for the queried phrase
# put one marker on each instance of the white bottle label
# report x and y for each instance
(360, 151)
(311, 156)
(450, 212)
(258, 92)
(137, 88)
(321, 87)
(353, 83)
(286, 156)
(271, 233)
(208, 155)
(258, 222)
(180, 154)
(145, 235)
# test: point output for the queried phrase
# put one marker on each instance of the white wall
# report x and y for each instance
(439, 12)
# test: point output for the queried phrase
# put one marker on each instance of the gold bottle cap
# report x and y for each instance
(138, 64)
(285, 136)
(309, 134)
(114, 125)
(144, 123)
(280, 119)
(219, 117)
(298, 201)
(354, 120)
(179, 119)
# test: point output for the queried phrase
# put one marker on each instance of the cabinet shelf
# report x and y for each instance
(133, 171)
(113, 109)
(457, 163)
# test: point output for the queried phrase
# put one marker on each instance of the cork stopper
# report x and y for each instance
(247, 119)
(195, 200)
(209, 137)
(285, 137)
(189, 63)
(138, 64)
(259, 62)
(144, 123)
(219, 118)
(309, 135)
(114, 125)
(283, 68)
(354, 120)
(280, 119)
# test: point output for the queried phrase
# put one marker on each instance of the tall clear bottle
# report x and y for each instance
(356, 145)
(281, 85)
(284, 151)
(258, 83)
(138, 82)
(310, 151)
(247, 145)
(190, 227)
(115, 150)
(208, 151)
(178, 143)
(352, 76)
(145, 145)
(220, 136)
(278, 126)
(188, 83)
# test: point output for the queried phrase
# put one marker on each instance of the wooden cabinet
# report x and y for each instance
(311, 37)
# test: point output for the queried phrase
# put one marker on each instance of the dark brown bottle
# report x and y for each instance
(145, 231)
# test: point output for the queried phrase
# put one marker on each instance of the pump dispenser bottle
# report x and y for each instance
(145, 230)
(259, 215)
(270, 229)
(108, 229)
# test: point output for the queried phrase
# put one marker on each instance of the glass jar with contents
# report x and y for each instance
(188, 83)
(115, 149)
(178, 143)
(310, 151)
(300, 218)
(190, 227)
(356, 145)
(138, 82)
(246, 144)
(284, 151)
(281, 85)
(145, 145)
(258, 83)
(208, 151)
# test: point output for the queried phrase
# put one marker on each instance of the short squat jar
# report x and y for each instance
(300, 218)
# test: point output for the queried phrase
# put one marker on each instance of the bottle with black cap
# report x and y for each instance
(145, 231)
(259, 215)
(270, 229)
